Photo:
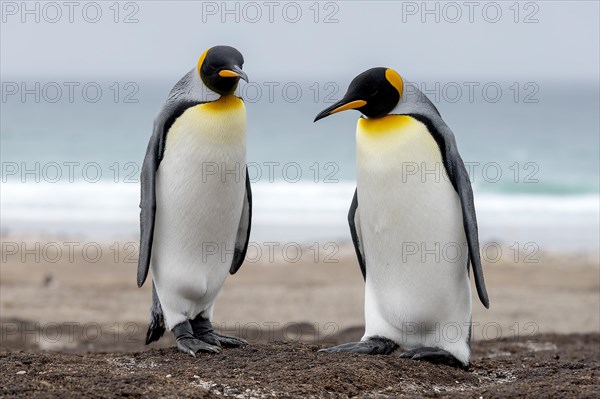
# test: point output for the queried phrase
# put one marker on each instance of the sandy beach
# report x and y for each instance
(558, 294)
(58, 308)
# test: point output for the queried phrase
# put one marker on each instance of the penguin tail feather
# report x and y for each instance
(156, 328)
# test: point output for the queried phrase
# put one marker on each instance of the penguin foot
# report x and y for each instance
(371, 346)
(187, 343)
(193, 346)
(203, 330)
(433, 355)
(227, 341)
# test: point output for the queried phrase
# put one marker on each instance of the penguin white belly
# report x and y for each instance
(200, 189)
(417, 285)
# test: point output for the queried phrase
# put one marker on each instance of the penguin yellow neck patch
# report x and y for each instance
(384, 124)
(394, 137)
(222, 121)
(225, 103)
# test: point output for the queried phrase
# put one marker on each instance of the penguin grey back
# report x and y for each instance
(186, 93)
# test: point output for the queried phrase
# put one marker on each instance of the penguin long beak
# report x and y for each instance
(233, 72)
(343, 105)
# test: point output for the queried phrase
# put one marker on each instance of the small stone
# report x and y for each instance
(196, 376)
(169, 376)
(21, 372)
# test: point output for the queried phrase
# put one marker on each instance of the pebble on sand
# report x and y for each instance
(21, 372)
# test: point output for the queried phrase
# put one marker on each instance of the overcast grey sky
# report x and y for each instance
(168, 37)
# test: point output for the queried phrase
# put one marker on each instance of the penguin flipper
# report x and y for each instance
(180, 99)
(243, 234)
(148, 208)
(455, 168)
(354, 222)
(465, 192)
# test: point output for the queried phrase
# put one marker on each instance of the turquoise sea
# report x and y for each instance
(72, 168)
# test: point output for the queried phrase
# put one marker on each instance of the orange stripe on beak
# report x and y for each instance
(226, 73)
(350, 105)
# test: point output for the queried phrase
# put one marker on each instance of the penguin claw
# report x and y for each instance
(371, 346)
(203, 330)
(222, 340)
(192, 346)
(230, 342)
(209, 338)
(433, 355)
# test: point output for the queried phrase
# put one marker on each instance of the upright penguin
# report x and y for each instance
(413, 227)
(196, 202)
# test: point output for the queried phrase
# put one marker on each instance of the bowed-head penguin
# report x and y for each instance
(196, 203)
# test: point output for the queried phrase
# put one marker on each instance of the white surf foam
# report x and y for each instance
(302, 212)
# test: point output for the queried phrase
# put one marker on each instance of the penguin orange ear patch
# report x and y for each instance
(201, 60)
(395, 80)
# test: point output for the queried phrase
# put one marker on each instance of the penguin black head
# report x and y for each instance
(374, 93)
(220, 68)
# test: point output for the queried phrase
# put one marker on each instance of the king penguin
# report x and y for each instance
(196, 202)
(414, 233)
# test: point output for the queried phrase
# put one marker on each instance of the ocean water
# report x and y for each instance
(73, 168)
